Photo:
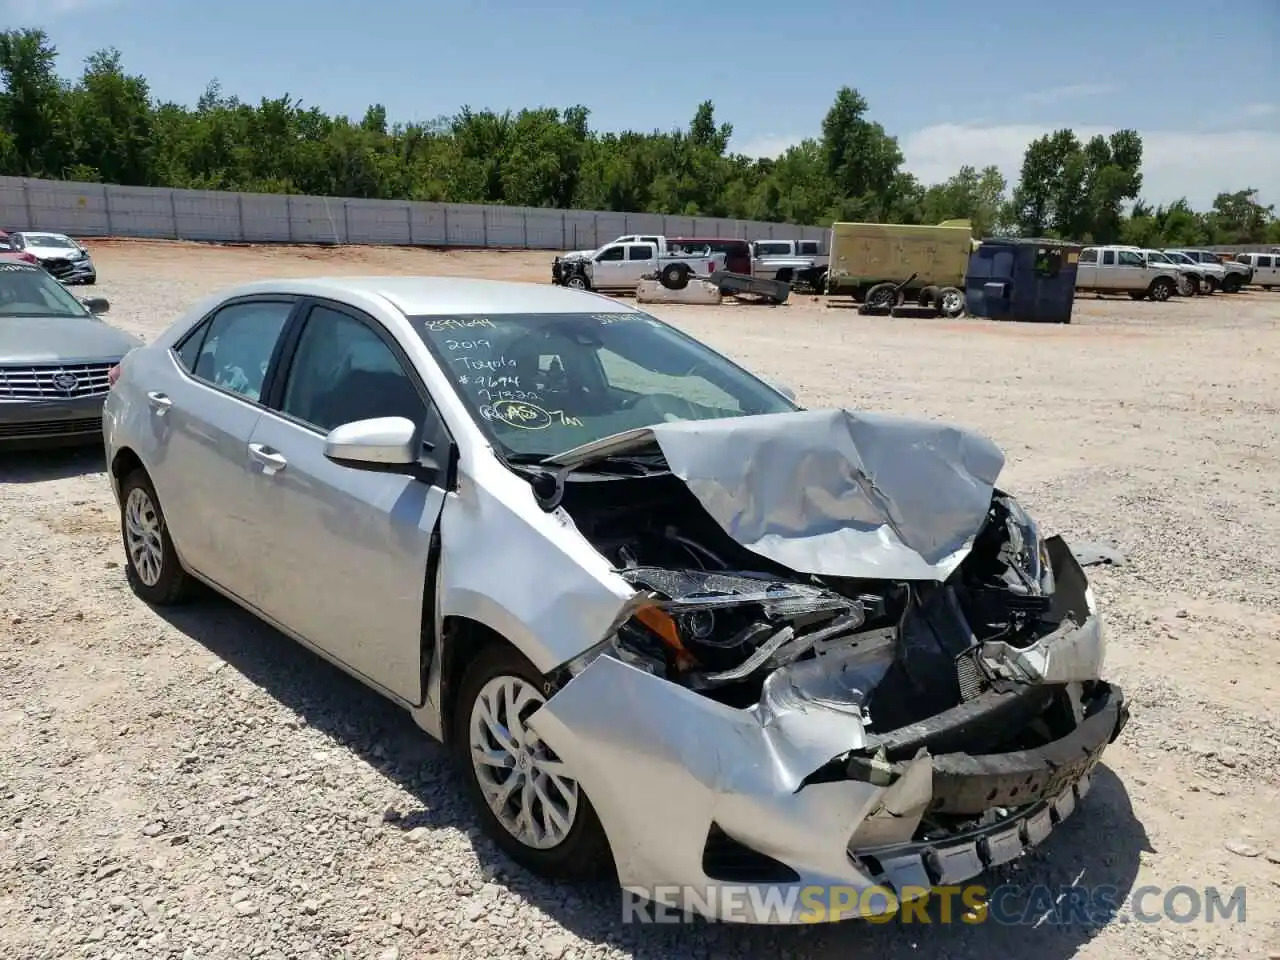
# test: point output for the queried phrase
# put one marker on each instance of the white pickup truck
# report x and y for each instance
(620, 266)
(791, 261)
(1117, 269)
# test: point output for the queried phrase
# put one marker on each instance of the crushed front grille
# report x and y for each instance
(54, 381)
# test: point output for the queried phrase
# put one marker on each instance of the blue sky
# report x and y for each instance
(957, 82)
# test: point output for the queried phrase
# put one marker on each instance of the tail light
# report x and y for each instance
(113, 375)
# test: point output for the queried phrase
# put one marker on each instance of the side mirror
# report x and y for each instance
(96, 305)
(783, 389)
(383, 443)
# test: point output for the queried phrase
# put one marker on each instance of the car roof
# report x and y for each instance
(414, 296)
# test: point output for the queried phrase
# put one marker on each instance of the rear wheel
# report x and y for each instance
(151, 563)
(528, 801)
(1188, 286)
(1232, 283)
(1208, 285)
(1161, 289)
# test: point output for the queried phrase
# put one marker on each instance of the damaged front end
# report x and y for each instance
(750, 724)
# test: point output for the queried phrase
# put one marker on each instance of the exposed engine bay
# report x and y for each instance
(723, 619)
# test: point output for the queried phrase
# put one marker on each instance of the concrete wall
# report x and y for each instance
(105, 210)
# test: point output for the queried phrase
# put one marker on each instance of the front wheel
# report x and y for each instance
(1188, 286)
(577, 281)
(529, 803)
(1161, 289)
(151, 563)
(1232, 283)
(1208, 285)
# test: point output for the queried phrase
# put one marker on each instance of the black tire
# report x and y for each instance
(1208, 285)
(928, 296)
(882, 296)
(584, 853)
(951, 302)
(1232, 283)
(173, 585)
(91, 281)
(675, 276)
(1193, 285)
(577, 281)
(1161, 289)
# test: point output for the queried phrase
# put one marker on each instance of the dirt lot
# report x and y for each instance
(194, 785)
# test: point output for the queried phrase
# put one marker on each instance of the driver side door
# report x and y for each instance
(607, 269)
(348, 551)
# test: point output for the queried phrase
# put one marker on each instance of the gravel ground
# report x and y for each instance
(195, 785)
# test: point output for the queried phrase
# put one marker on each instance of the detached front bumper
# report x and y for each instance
(782, 813)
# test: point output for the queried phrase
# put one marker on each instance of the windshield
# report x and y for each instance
(1158, 257)
(28, 291)
(539, 384)
(48, 240)
(1181, 258)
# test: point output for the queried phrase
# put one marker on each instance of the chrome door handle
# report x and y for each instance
(160, 402)
(271, 461)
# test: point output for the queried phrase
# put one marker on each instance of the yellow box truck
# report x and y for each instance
(865, 255)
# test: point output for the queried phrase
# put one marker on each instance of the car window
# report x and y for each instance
(808, 248)
(624, 374)
(653, 240)
(1088, 256)
(539, 384)
(641, 251)
(343, 372)
(1108, 258)
(1130, 259)
(613, 253)
(237, 349)
(1264, 261)
(189, 349)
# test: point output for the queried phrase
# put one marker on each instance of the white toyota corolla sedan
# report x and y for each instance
(672, 625)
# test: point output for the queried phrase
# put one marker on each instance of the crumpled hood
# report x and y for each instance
(62, 340)
(832, 492)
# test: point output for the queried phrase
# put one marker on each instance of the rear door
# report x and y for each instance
(346, 551)
(642, 258)
(203, 405)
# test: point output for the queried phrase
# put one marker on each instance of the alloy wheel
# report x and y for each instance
(142, 534)
(524, 783)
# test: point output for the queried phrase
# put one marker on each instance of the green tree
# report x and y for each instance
(33, 105)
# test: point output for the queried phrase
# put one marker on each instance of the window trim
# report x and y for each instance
(202, 326)
(289, 351)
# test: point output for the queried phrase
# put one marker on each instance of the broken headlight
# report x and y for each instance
(1024, 551)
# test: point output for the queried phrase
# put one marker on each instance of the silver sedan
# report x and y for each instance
(674, 627)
